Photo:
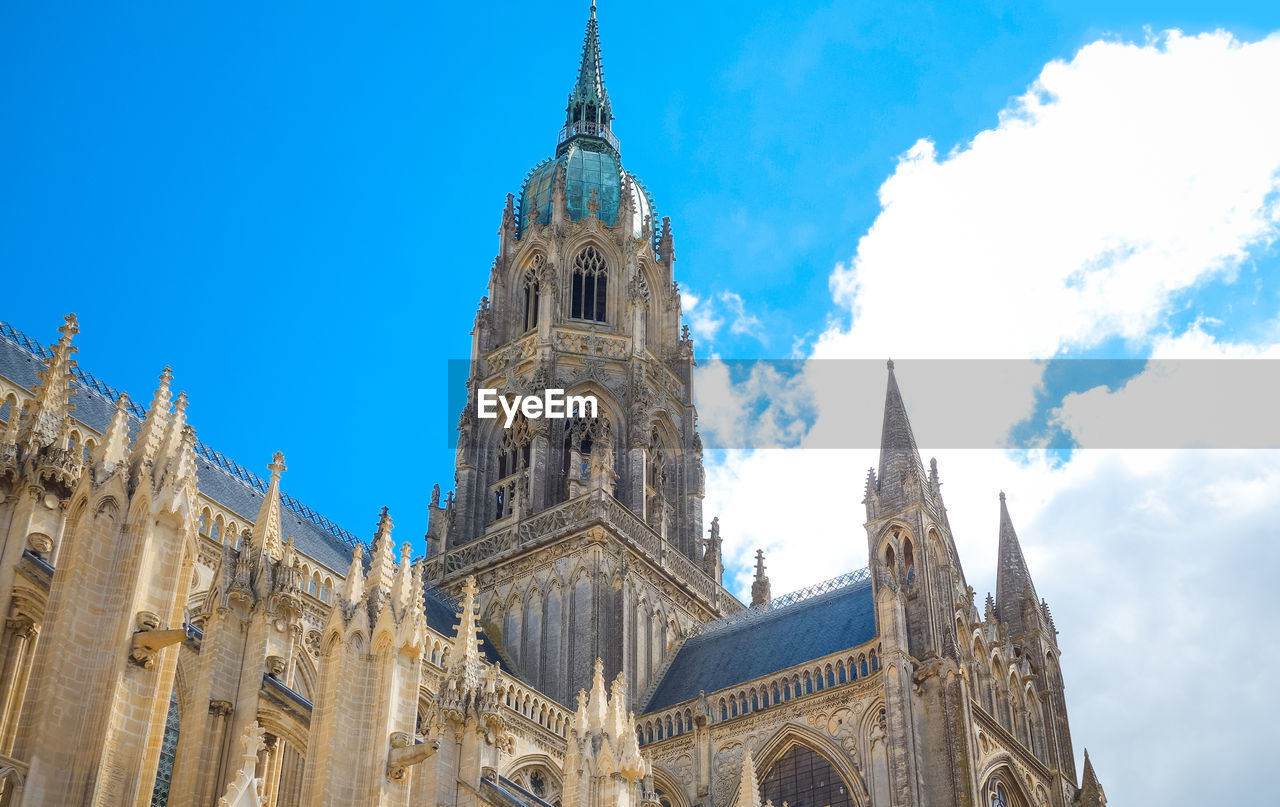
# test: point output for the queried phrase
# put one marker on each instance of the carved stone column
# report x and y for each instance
(221, 711)
(20, 636)
(270, 766)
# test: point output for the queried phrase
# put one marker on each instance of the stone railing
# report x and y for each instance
(573, 516)
(536, 707)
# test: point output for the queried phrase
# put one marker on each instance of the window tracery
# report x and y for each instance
(804, 778)
(590, 284)
(532, 292)
(514, 454)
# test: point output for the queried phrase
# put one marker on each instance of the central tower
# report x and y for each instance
(585, 534)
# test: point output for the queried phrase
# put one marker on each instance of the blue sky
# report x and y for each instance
(295, 206)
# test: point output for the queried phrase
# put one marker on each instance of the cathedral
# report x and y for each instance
(180, 631)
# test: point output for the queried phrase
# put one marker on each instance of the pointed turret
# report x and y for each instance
(748, 787)
(1013, 578)
(382, 570)
(589, 112)
(760, 590)
(51, 404)
(353, 585)
(1091, 793)
(402, 588)
(149, 438)
(667, 249)
(465, 668)
(901, 474)
(267, 532)
(112, 453)
(598, 701)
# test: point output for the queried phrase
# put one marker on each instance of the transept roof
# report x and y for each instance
(765, 641)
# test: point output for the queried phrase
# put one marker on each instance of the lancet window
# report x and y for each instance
(514, 453)
(590, 284)
(531, 291)
(655, 482)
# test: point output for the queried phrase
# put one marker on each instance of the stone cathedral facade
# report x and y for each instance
(180, 631)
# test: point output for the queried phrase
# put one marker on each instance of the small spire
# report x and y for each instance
(580, 716)
(172, 440)
(51, 403)
(899, 456)
(1013, 578)
(153, 427)
(598, 705)
(760, 590)
(618, 706)
(113, 451)
(1091, 792)
(402, 589)
(353, 586)
(465, 667)
(748, 788)
(382, 570)
(267, 534)
(417, 590)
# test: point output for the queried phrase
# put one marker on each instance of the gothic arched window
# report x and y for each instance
(168, 755)
(803, 778)
(514, 454)
(531, 293)
(590, 286)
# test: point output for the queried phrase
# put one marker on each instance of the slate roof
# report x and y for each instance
(767, 642)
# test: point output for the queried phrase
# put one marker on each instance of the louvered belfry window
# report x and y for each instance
(590, 286)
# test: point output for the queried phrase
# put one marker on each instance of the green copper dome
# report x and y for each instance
(587, 151)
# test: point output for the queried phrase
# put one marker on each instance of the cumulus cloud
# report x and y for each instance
(1121, 179)
(708, 315)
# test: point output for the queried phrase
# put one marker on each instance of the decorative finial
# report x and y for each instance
(1002, 497)
(889, 364)
(277, 465)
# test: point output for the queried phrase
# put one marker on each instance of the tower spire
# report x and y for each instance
(1013, 578)
(1091, 793)
(589, 112)
(900, 465)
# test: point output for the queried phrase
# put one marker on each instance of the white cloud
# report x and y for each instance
(702, 319)
(707, 316)
(742, 323)
(1122, 178)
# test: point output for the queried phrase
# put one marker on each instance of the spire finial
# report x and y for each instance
(267, 529)
(589, 112)
(277, 466)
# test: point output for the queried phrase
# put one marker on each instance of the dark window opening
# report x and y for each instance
(589, 286)
(802, 778)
